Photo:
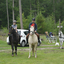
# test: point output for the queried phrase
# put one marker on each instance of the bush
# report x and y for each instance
(50, 25)
(5, 30)
(43, 24)
(39, 20)
(25, 21)
(62, 24)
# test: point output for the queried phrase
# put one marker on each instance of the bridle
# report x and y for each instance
(9, 33)
(32, 32)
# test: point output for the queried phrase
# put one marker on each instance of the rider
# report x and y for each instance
(14, 25)
(35, 27)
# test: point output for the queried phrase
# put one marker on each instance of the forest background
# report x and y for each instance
(46, 12)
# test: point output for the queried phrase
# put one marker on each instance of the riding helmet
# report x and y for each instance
(33, 19)
(14, 21)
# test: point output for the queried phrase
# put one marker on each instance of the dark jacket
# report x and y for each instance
(35, 26)
(50, 34)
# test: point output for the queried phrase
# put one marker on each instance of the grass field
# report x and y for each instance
(45, 55)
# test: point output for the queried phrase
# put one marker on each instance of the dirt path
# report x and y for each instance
(47, 45)
(27, 49)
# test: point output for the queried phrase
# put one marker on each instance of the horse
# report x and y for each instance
(61, 38)
(33, 41)
(14, 39)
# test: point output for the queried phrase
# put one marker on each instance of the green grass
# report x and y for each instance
(45, 56)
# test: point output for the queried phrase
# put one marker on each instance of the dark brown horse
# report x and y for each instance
(14, 39)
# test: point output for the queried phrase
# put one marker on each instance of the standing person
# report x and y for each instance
(35, 27)
(46, 33)
(14, 25)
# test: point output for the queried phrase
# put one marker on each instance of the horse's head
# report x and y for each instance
(60, 34)
(31, 30)
(11, 30)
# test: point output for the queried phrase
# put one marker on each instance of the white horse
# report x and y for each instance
(33, 41)
(61, 38)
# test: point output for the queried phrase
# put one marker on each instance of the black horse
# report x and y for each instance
(14, 39)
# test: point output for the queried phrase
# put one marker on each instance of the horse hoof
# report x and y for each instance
(16, 55)
(60, 47)
(35, 56)
(28, 57)
(12, 55)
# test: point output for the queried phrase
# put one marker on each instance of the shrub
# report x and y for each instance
(25, 21)
(39, 20)
(50, 25)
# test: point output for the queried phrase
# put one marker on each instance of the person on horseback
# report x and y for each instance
(14, 25)
(35, 26)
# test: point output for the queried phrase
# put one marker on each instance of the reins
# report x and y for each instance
(32, 32)
(9, 33)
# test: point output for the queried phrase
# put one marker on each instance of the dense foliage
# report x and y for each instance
(46, 12)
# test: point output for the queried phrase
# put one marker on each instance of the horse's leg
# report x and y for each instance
(33, 50)
(16, 50)
(61, 42)
(29, 50)
(12, 50)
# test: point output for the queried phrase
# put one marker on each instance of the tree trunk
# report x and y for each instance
(13, 10)
(59, 24)
(7, 13)
(38, 6)
(20, 12)
(30, 8)
(35, 8)
(54, 10)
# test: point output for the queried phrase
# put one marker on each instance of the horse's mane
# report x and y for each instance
(12, 29)
(32, 27)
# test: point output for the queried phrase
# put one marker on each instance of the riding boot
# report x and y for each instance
(39, 40)
(27, 37)
(38, 37)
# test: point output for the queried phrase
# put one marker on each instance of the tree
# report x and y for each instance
(13, 10)
(20, 12)
(38, 6)
(39, 21)
(54, 10)
(3, 13)
(7, 13)
(30, 8)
